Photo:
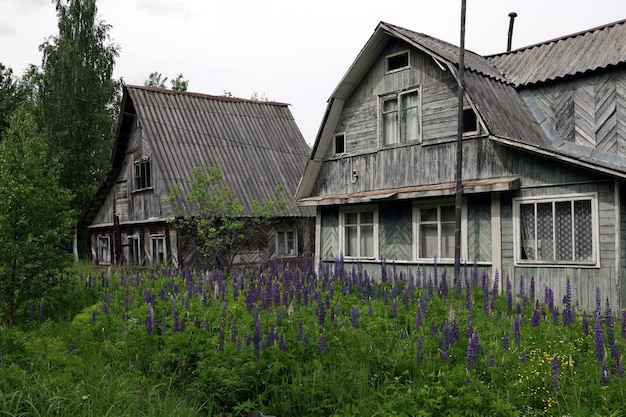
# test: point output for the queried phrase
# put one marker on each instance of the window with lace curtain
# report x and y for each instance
(558, 230)
(400, 118)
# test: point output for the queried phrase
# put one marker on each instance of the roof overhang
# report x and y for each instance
(409, 193)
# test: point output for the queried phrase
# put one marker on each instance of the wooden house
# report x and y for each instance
(544, 161)
(162, 135)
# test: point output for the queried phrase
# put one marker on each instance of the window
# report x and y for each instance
(286, 243)
(397, 61)
(158, 249)
(104, 250)
(435, 231)
(134, 252)
(143, 178)
(559, 230)
(340, 143)
(470, 122)
(400, 118)
(359, 233)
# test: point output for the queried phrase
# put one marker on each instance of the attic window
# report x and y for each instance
(339, 143)
(143, 177)
(470, 121)
(397, 61)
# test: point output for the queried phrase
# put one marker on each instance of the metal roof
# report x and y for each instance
(578, 53)
(257, 144)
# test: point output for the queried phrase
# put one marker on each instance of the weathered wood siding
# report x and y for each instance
(479, 228)
(590, 111)
(395, 231)
(409, 163)
(539, 178)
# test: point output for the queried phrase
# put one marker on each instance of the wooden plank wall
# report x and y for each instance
(590, 111)
(395, 231)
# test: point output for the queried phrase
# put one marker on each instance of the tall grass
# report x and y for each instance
(289, 342)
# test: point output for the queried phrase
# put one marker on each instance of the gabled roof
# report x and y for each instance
(257, 144)
(491, 86)
(578, 53)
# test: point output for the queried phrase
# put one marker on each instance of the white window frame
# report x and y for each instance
(417, 224)
(399, 137)
(142, 179)
(343, 211)
(282, 237)
(406, 52)
(517, 229)
(134, 246)
(104, 250)
(154, 239)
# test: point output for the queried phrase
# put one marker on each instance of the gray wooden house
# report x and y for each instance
(162, 135)
(544, 161)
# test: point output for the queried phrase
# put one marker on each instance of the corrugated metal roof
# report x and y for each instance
(257, 144)
(593, 49)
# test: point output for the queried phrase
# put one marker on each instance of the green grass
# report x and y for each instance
(290, 344)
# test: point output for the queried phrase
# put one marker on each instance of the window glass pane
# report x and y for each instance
(367, 217)
(390, 122)
(447, 240)
(428, 215)
(351, 241)
(583, 233)
(448, 214)
(428, 241)
(367, 241)
(409, 119)
(545, 230)
(351, 218)
(527, 226)
(291, 243)
(563, 230)
(280, 243)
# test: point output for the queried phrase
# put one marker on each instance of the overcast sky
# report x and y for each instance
(291, 51)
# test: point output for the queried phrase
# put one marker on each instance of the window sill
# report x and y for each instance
(528, 264)
(141, 190)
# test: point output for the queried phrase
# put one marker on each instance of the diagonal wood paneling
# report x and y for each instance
(564, 111)
(396, 231)
(605, 115)
(584, 114)
(479, 233)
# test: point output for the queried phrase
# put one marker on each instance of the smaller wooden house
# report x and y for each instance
(162, 135)
(544, 161)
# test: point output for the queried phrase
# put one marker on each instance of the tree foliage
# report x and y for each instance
(156, 79)
(218, 223)
(78, 98)
(35, 220)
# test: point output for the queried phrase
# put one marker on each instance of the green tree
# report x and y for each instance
(218, 223)
(35, 219)
(12, 94)
(78, 100)
(156, 79)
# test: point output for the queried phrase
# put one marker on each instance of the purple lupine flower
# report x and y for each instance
(473, 350)
(516, 332)
(492, 361)
(233, 332)
(355, 316)
(615, 352)
(505, 342)
(150, 319)
(321, 343)
(196, 322)
(418, 318)
(605, 374)
(176, 319)
(608, 321)
(522, 289)
(555, 373)
(555, 316)
(523, 357)
(394, 310)
(598, 301)
(535, 318)
(444, 355)
(447, 335)
(620, 369)
(509, 296)
(598, 337)
(485, 297)
(283, 343)
(40, 312)
(271, 337)
(623, 324)
(549, 298)
(300, 329)
(163, 323)
(256, 338)
(420, 350)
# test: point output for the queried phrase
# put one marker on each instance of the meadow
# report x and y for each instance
(286, 341)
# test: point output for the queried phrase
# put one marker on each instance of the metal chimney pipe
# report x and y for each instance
(512, 15)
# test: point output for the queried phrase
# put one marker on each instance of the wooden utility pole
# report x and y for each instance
(459, 150)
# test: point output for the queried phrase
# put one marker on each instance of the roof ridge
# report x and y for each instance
(204, 95)
(558, 39)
